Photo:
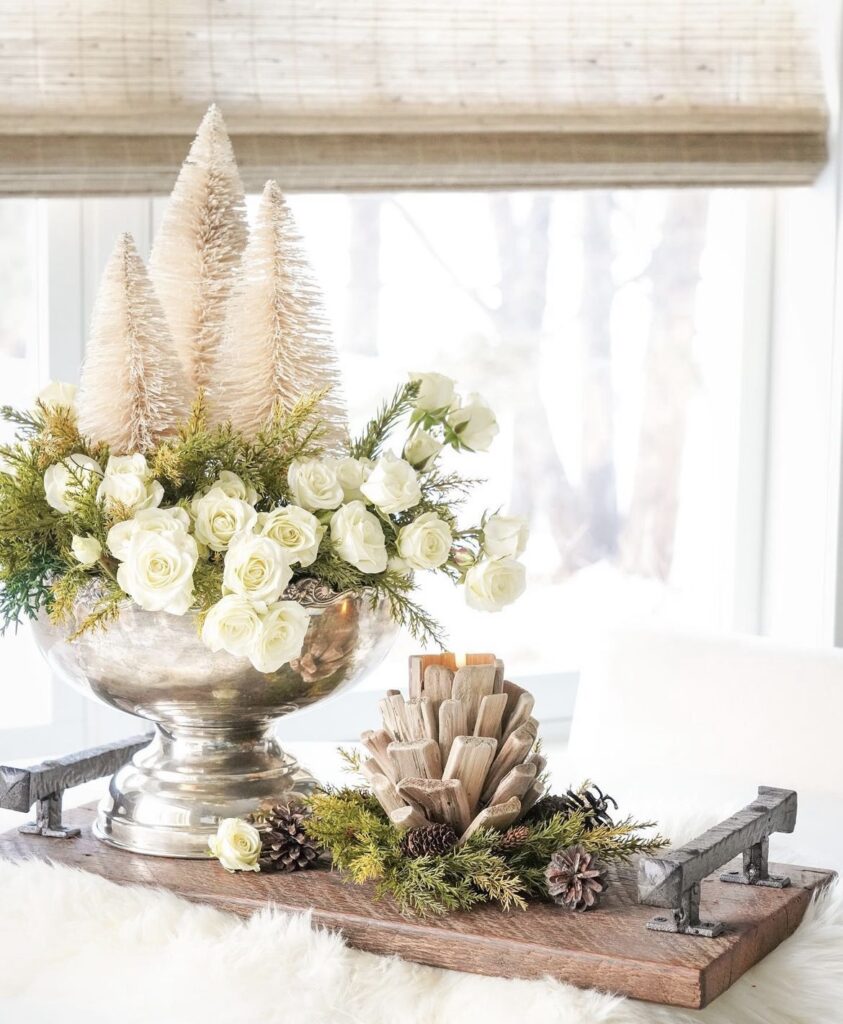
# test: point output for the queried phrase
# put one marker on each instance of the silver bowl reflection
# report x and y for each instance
(214, 753)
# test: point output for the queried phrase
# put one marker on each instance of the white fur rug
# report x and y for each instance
(75, 948)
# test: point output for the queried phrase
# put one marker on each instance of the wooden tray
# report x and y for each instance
(608, 948)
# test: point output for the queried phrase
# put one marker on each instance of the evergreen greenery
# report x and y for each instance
(362, 841)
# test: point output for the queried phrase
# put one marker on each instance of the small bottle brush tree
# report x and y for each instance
(198, 248)
(133, 391)
(276, 345)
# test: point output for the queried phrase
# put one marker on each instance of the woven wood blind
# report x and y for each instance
(103, 97)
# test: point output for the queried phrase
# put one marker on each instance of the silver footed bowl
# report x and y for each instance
(213, 753)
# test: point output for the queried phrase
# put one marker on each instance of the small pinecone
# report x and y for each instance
(513, 839)
(592, 802)
(428, 841)
(285, 845)
(575, 879)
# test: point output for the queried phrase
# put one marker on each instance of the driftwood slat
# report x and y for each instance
(408, 817)
(490, 716)
(498, 816)
(388, 796)
(377, 741)
(520, 713)
(469, 761)
(452, 723)
(516, 782)
(471, 684)
(416, 759)
(513, 751)
(609, 948)
(438, 684)
(439, 800)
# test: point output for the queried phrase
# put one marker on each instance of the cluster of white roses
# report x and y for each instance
(348, 499)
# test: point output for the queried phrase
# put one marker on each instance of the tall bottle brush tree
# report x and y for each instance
(133, 390)
(198, 248)
(276, 344)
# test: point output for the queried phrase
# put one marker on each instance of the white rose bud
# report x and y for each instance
(150, 520)
(393, 485)
(357, 537)
(157, 572)
(86, 549)
(61, 480)
(474, 424)
(128, 480)
(237, 845)
(220, 517)
(399, 565)
(58, 392)
(281, 638)
(436, 391)
(298, 532)
(232, 624)
(352, 474)
(494, 583)
(231, 484)
(256, 567)
(426, 542)
(314, 484)
(505, 536)
(422, 449)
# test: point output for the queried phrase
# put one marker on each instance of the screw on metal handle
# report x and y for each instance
(672, 880)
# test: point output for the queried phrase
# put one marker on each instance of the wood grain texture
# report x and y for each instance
(608, 948)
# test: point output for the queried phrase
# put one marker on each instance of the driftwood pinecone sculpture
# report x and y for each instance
(459, 752)
(575, 879)
(285, 846)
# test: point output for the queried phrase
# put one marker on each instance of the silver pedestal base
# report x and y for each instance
(168, 800)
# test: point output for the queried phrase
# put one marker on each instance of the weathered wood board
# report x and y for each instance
(608, 948)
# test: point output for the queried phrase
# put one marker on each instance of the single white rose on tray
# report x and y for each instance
(297, 531)
(150, 520)
(157, 571)
(281, 638)
(58, 392)
(474, 424)
(436, 391)
(352, 474)
(233, 624)
(505, 536)
(422, 449)
(219, 517)
(494, 583)
(393, 485)
(61, 480)
(314, 484)
(256, 567)
(237, 845)
(426, 542)
(86, 549)
(128, 480)
(357, 536)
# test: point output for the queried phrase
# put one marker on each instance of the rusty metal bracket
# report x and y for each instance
(672, 880)
(44, 784)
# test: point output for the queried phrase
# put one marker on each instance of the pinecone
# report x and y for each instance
(285, 845)
(575, 879)
(591, 801)
(428, 841)
(512, 839)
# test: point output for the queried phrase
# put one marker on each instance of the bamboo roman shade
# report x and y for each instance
(98, 96)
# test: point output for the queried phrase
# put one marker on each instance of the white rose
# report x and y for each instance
(151, 520)
(493, 583)
(421, 449)
(281, 638)
(157, 572)
(58, 392)
(297, 531)
(314, 484)
(357, 537)
(86, 549)
(61, 479)
(237, 845)
(256, 567)
(232, 624)
(399, 565)
(474, 424)
(436, 391)
(231, 484)
(505, 536)
(426, 542)
(393, 485)
(220, 517)
(128, 480)
(352, 474)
